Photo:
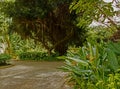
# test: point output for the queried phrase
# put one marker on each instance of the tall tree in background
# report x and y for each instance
(52, 23)
(47, 21)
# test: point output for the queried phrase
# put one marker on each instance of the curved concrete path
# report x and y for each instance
(33, 75)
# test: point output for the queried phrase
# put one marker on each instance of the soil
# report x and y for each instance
(33, 75)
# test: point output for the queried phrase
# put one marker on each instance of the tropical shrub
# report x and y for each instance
(94, 66)
(100, 33)
(32, 55)
(20, 45)
(39, 56)
(4, 58)
(113, 81)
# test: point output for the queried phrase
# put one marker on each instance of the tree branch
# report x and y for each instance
(111, 21)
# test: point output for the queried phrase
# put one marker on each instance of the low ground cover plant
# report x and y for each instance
(4, 59)
(94, 66)
(38, 56)
(32, 55)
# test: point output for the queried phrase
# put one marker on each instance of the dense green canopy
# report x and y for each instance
(56, 23)
(47, 21)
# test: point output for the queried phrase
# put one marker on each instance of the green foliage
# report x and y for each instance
(19, 45)
(4, 58)
(4, 32)
(48, 22)
(38, 56)
(32, 55)
(113, 81)
(93, 67)
(99, 33)
(89, 10)
(115, 47)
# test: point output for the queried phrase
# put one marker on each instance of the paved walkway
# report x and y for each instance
(33, 75)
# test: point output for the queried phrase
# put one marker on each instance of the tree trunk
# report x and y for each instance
(61, 49)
